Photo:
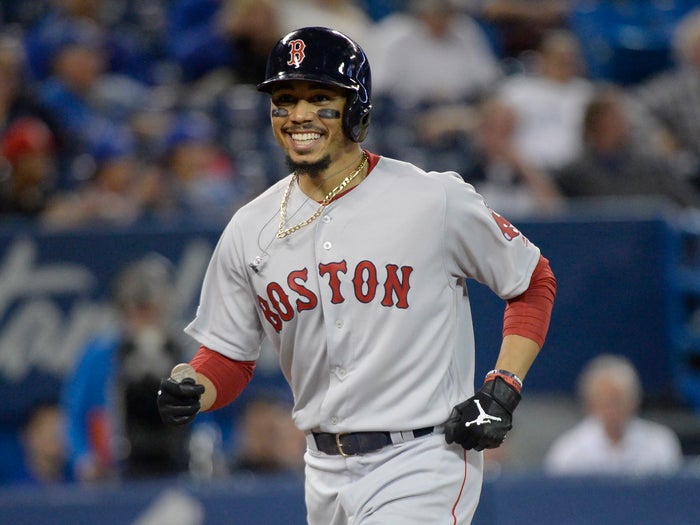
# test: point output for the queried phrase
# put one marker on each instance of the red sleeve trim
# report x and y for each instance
(529, 314)
(229, 376)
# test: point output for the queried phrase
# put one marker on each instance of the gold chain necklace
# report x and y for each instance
(282, 233)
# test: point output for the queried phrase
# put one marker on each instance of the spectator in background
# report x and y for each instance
(613, 165)
(613, 438)
(193, 38)
(114, 430)
(17, 98)
(232, 36)
(432, 65)
(198, 176)
(44, 445)
(267, 440)
(672, 98)
(18, 95)
(27, 168)
(252, 27)
(89, 103)
(346, 16)
(516, 27)
(436, 55)
(504, 176)
(549, 101)
(501, 174)
(124, 54)
(118, 192)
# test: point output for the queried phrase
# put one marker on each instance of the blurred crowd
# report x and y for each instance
(119, 112)
(103, 425)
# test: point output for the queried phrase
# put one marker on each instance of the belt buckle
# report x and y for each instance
(339, 444)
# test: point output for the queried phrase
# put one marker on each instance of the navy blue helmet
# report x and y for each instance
(323, 55)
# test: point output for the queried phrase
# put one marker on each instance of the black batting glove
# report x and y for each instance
(483, 420)
(178, 403)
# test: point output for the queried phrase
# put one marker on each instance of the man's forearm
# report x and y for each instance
(517, 355)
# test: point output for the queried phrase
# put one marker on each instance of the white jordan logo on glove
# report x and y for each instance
(482, 418)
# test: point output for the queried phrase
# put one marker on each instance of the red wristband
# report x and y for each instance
(514, 381)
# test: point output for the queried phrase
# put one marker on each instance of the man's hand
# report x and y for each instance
(178, 403)
(482, 421)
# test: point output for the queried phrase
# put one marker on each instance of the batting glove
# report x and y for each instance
(178, 403)
(483, 420)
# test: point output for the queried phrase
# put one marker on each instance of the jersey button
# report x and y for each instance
(327, 245)
(326, 219)
(334, 420)
(339, 323)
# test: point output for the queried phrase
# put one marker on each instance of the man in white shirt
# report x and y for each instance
(612, 438)
(550, 100)
(433, 54)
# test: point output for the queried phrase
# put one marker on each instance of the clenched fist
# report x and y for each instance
(178, 403)
(483, 420)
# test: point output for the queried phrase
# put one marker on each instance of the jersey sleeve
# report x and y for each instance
(226, 319)
(483, 245)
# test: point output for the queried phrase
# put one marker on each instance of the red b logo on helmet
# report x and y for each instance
(296, 52)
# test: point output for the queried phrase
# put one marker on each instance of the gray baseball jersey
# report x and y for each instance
(367, 306)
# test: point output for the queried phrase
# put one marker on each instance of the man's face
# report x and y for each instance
(307, 123)
(612, 404)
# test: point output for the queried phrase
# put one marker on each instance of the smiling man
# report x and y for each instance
(354, 269)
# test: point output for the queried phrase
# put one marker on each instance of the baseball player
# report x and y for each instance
(354, 267)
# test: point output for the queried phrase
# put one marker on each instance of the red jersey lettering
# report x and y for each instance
(365, 281)
(394, 285)
(307, 299)
(269, 315)
(332, 270)
(280, 301)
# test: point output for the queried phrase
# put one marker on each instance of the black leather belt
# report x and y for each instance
(355, 443)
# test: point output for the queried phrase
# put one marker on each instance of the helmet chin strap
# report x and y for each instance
(322, 113)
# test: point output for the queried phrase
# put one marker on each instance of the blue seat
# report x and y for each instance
(626, 41)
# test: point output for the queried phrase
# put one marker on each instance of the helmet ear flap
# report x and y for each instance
(361, 127)
(356, 119)
(364, 126)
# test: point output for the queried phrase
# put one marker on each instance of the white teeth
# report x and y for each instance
(304, 137)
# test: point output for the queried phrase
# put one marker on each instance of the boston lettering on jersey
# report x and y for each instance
(285, 300)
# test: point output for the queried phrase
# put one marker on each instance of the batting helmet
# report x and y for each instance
(319, 54)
